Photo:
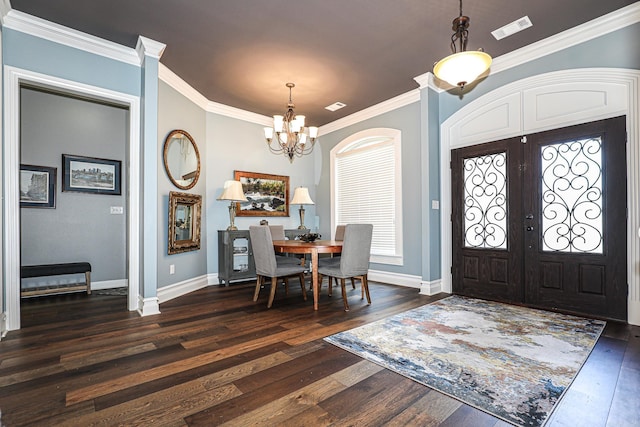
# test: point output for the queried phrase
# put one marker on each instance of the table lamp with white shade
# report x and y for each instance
(233, 192)
(301, 197)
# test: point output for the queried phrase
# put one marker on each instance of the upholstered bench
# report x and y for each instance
(28, 271)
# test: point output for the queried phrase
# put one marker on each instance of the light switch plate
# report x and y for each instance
(117, 210)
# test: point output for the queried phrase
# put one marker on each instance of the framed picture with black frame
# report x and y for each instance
(91, 175)
(38, 186)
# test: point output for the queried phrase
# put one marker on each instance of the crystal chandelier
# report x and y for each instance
(290, 134)
(463, 67)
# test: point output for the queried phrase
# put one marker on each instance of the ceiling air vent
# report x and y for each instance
(335, 106)
(512, 28)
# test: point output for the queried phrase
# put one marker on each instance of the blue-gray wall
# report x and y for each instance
(177, 112)
(35, 54)
(407, 120)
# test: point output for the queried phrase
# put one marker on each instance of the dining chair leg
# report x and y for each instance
(258, 285)
(353, 283)
(304, 289)
(365, 287)
(272, 293)
(344, 295)
(286, 286)
(361, 287)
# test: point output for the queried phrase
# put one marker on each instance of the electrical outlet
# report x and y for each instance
(172, 269)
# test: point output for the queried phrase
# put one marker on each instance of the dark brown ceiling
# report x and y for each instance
(360, 52)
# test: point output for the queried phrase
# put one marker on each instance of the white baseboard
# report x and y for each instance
(410, 281)
(148, 306)
(109, 284)
(3, 325)
(212, 279)
(431, 288)
(175, 290)
(633, 314)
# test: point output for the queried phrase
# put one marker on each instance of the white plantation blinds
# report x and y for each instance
(365, 191)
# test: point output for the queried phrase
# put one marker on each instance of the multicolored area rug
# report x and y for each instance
(512, 362)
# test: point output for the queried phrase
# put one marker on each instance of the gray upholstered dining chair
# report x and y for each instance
(277, 233)
(339, 236)
(266, 265)
(353, 262)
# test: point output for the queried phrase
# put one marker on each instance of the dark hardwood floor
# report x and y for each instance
(215, 357)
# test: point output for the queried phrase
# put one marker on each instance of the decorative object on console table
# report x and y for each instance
(301, 197)
(184, 222)
(37, 186)
(232, 192)
(90, 175)
(267, 195)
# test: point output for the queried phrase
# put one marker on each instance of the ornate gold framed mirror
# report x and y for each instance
(181, 159)
(184, 222)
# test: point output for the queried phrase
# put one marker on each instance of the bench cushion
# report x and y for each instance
(54, 269)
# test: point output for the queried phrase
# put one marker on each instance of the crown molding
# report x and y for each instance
(375, 110)
(173, 80)
(428, 80)
(237, 113)
(47, 30)
(5, 8)
(149, 47)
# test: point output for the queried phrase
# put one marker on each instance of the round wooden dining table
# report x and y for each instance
(313, 248)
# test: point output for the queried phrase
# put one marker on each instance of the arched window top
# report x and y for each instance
(365, 143)
(365, 139)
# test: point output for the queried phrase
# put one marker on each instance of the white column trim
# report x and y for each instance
(598, 77)
(13, 78)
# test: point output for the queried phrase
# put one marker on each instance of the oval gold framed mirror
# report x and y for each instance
(181, 159)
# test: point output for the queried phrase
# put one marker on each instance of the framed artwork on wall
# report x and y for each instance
(90, 175)
(267, 195)
(38, 186)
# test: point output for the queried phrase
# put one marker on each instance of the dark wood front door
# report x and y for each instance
(541, 219)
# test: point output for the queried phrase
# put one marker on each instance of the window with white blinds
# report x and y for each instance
(366, 189)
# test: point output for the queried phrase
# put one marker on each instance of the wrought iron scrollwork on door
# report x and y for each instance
(485, 201)
(572, 196)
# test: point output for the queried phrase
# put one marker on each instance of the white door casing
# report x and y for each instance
(13, 78)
